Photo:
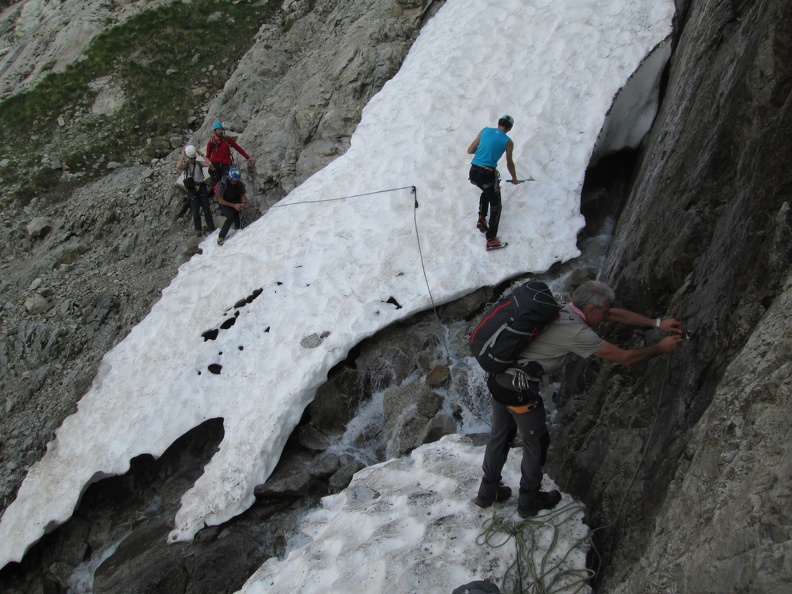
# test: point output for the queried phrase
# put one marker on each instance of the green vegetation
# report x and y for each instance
(158, 59)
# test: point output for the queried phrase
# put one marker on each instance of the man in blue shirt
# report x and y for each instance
(488, 148)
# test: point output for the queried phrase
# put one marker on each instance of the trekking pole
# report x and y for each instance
(527, 179)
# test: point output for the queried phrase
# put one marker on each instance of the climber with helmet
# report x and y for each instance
(218, 151)
(195, 183)
(488, 148)
(232, 198)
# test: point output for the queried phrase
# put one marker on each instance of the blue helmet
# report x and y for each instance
(233, 173)
(217, 126)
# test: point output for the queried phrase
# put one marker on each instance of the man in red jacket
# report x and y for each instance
(218, 151)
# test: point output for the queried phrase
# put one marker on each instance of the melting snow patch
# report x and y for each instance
(409, 525)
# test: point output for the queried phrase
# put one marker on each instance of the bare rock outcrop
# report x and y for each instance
(37, 38)
(298, 102)
(685, 461)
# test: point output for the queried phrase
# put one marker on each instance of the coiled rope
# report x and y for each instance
(546, 574)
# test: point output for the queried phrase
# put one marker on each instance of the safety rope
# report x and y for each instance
(414, 192)
(524, 575)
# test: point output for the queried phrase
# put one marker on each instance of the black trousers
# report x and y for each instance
(199, 199)
(218, 172)
(232, 218)
(488, 181)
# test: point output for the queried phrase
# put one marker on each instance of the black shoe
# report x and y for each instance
(532, 502)
(490, 493)
(481, 224)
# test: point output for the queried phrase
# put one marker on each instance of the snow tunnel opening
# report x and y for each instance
(116, 508)
(606, 187)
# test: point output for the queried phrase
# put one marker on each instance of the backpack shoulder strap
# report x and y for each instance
(230, 142)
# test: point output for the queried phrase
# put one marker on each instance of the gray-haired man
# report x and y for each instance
(571, 334)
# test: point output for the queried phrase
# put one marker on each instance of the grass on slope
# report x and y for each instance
(165, 60)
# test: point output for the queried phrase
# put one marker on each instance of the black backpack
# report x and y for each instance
(511, 324)
(477, 587)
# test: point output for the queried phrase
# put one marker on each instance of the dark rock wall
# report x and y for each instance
(706, 236)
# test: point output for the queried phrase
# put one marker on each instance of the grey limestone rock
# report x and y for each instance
(342, 477)
(408, 413)
(39, 227)
(37, 304)
(683, 457)
(311, 341)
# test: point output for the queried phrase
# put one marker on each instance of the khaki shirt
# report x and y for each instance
(553, 347)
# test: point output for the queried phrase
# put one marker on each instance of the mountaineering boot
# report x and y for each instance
(531, 502)
(495, 244)
(490, 493)
(481, 225)
(220, 240)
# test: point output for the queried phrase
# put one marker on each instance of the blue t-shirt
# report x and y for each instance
(492, 145)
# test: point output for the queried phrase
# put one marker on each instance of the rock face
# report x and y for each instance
(43, 37)
(298, 94)
(38, 227)
(687, 459)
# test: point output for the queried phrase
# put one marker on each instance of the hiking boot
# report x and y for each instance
(494, 244)
(199, 233)
(531, 502)
(481, 225)
(220, 240)
(490, 493)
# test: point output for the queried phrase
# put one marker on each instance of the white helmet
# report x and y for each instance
(190, 151)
